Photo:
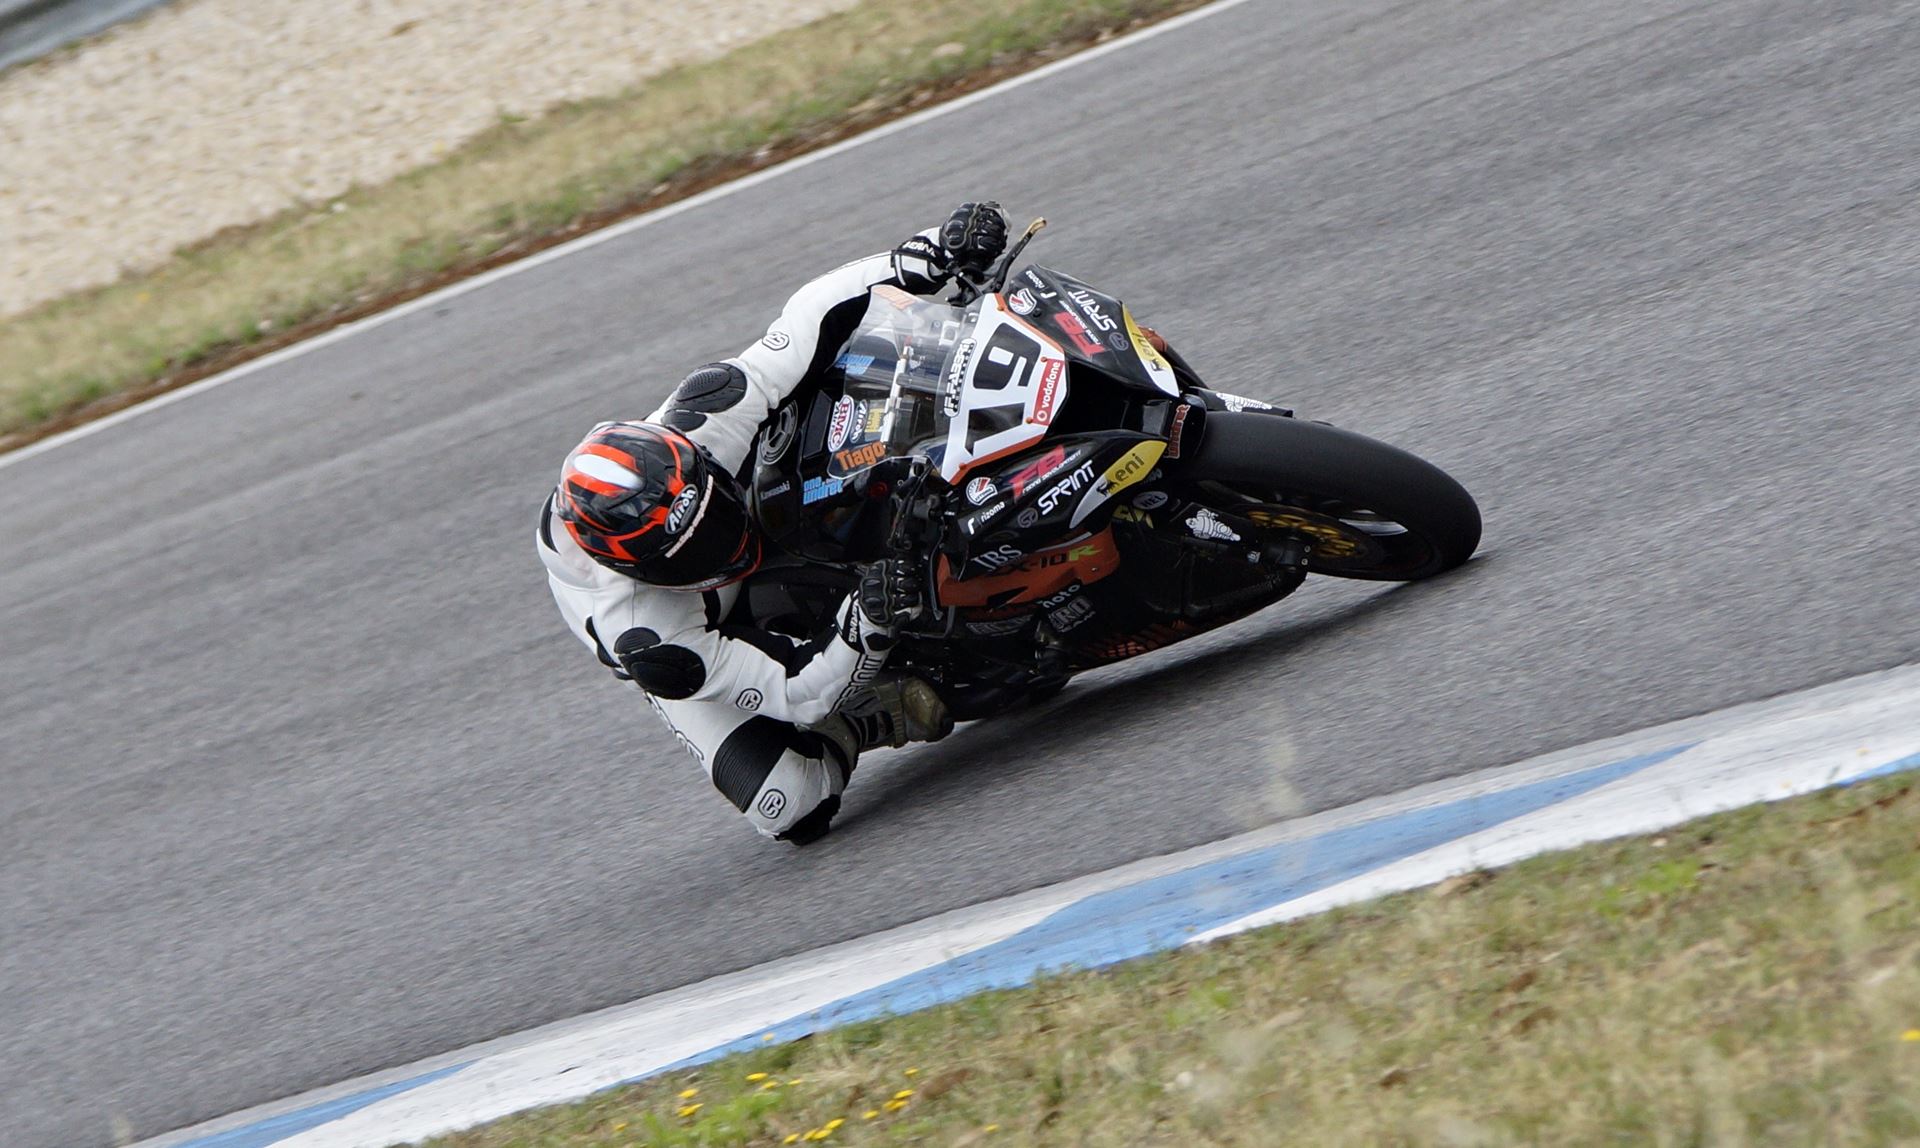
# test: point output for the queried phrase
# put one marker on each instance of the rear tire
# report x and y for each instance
(1382, 514)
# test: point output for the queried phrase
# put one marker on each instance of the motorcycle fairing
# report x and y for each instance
(1092, 328)
(1028, 502)
(1004, 382)
(1085, 559)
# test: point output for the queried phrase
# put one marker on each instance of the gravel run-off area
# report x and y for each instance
(208, 114)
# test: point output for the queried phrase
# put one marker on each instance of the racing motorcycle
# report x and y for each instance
(1072, 492)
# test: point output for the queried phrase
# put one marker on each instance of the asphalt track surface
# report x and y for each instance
(303, 778)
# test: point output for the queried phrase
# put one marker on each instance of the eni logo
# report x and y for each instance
(1133, 466)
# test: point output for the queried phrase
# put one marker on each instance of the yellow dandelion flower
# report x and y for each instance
(903, 1094)
(769, 1085)
(832, 1124)
(619, 1125)
(894, 1105)
(1911, 1035)
(869, 1114)
(689, 1093)
(991, 1128)
(792, 1138)
(690, 1109)
(797, 1080)
(913, 1072)
(756, 1076)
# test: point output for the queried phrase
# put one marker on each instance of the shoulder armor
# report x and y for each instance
(714, 387)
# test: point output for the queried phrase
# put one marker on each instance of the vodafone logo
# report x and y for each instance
(1047, 394)
(841, 423)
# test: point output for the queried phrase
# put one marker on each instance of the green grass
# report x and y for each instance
(520, 185)
(1750, 978)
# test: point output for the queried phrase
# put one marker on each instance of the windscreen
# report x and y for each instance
(894, 366)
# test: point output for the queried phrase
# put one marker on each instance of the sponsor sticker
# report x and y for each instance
(1026, 518)
(1022, 302)
(996, 626)
(1054, 601)
(1039, 470)
(1070, 615)
(1177, 429)
(998, 557)
(840, 424)
(1143, 346)
(1076, 330)
(1053, 558)
(861, 456)
(749, 699)
(1151, 499)
(681, 511)
(1205, 525)
(1242, 403)
(956, 377)
(776, 491)
(980, 490)
(776, 341)
(1090, 307)
(1047, 393)
(816, 489)
(1132, 466)
(1066, 488)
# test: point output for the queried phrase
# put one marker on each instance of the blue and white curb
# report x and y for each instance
(1844, 732)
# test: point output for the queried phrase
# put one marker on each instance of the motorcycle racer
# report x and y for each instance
(649, 532)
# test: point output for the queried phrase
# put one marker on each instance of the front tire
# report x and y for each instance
(1364, 509)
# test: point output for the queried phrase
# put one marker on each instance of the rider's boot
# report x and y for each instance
(891, 712)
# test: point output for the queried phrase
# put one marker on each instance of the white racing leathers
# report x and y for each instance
(743, 701)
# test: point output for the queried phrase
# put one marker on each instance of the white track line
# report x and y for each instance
(613, 231)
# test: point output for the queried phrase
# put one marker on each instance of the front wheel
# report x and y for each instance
(1361, 508)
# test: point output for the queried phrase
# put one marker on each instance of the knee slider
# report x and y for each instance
(714, 387)
(776, 773)
(665, 671)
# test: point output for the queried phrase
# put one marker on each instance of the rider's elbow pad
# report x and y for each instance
(665, 671)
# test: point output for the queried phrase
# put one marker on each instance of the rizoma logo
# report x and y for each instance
(1066, 488)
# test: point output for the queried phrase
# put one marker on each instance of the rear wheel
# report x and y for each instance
(1361, 508)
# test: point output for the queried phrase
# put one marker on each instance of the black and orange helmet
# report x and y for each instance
(647, 501)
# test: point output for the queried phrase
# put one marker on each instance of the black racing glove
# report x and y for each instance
(974, 236)
(891, 593)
